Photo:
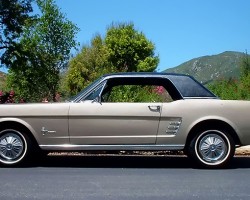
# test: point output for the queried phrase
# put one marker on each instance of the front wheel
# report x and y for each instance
(14, 147)
(212, 148)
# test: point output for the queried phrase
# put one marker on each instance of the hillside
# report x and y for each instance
(209, 68)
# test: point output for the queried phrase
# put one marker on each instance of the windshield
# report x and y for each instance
(80, 94)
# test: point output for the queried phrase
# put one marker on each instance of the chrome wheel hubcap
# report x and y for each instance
(212, 147)
(11, 146)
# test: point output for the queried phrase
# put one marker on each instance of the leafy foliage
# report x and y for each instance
(130, 50)
(2, 80)
(233, 88)
(134, 93)
(122, 49)
(245, 77)
(45, 47)
(245, 65)
(14, 15)
(89, 64)
(225, 89)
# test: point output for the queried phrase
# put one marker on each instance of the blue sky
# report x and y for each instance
(180, 29)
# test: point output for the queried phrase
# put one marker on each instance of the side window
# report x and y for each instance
(94, 93)
(136, 93)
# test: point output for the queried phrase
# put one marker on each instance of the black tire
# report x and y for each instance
(15, 147)
(212, 148)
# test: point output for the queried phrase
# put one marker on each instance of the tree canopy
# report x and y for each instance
(87, 65)
(14, 16)
(123, 49)
(129, 49)
(45, 50)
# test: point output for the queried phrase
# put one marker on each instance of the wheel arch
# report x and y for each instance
(212, 123)
(19, 125)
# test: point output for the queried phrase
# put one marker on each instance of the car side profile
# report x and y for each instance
(129, 111)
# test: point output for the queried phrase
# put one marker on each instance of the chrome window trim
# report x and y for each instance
(200, 98)
(86, 91)
(101, 85)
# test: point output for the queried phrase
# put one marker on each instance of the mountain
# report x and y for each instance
(209, 68)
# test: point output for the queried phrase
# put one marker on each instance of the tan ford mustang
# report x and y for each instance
(129, 111)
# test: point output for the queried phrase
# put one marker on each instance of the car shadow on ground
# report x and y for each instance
(116, 161)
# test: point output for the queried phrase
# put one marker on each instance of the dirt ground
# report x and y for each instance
(243, 150)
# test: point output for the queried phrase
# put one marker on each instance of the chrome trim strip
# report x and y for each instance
(174, 127)
(113, 147)
(113, 137)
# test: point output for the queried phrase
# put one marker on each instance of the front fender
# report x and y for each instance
(21, 122)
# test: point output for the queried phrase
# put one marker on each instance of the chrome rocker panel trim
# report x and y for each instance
(72, 147)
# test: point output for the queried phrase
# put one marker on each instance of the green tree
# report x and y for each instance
(46, 45)
(245, 65)
(226, 89)
(245, 77)
(89, 64)
(129, 49)
(235, 89)
(123, 49)
(14, 15)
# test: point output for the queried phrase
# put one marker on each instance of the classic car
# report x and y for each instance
(129, 111)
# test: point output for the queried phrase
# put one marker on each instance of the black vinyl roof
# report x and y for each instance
(179, 85)
(185, 84)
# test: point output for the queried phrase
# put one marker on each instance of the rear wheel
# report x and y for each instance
(14, 147)
(212, 148)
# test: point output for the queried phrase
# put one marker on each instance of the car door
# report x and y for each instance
(113, 123)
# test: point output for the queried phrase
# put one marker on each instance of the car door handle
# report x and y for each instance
(154, 108)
